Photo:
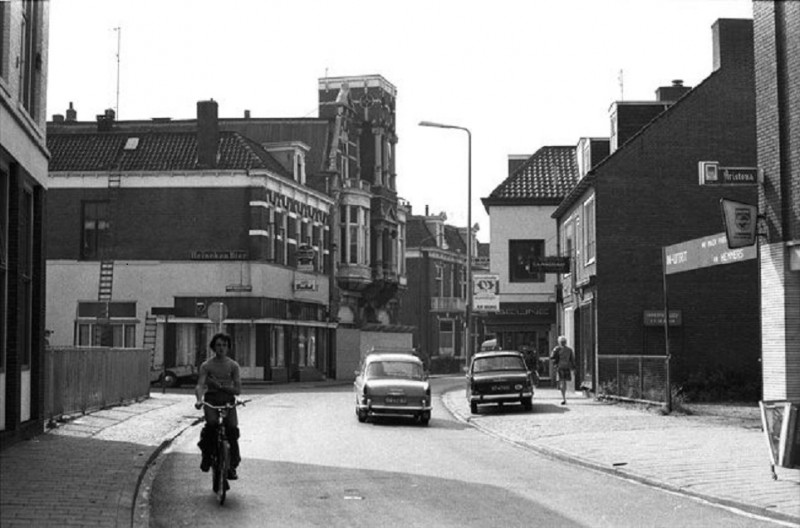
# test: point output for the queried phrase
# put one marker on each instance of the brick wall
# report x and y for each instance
(158, 224)
(648, 197)
(777, 78)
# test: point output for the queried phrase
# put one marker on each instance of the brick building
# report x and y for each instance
(148, 229)
(23, 188)
(777, 84)
(645, 196)
(434, 303)
(347, 155)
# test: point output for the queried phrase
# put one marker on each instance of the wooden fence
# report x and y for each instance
(86, 379)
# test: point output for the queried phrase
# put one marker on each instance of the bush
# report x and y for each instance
(720, 385)
(446, 365)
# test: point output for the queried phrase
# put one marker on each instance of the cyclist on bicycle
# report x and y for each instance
(219, 383)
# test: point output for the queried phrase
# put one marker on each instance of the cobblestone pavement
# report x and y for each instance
(721, 457)
(86, 471)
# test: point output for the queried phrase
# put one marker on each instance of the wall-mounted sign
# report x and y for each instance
(740, 222)
(656, 318)
(219, 255)
(710, 173)
(305, 285)
(549, 264)
(704, 252)
(485, 292)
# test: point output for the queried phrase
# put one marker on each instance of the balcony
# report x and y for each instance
(448, 304)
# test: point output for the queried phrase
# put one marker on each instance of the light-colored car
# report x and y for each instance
(393, 384)
(499, 377)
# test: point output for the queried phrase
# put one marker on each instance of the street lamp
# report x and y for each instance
(468, 347)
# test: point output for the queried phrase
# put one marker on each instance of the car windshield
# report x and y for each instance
(498, 363)
(395, 369)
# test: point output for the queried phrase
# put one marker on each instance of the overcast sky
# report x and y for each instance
(519, 74)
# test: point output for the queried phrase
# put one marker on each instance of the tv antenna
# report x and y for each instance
(118, 29)
(621, 80)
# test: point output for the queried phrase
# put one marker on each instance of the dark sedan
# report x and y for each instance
(499, 377)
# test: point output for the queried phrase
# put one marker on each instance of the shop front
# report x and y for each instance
(529, 328)
(273, 339)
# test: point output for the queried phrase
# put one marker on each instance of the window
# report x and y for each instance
(3, 55)
(588, 231)
(439, 278)
(4, 189)
(95, 230)
(354, 234)
(280, 238)
(108, 324)
(30, 59)
(276, 356)
(521, 256)
(446, 337)
(26, 275)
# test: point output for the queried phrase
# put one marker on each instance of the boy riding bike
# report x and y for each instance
(219, 383)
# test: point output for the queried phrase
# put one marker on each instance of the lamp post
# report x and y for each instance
(468, 341)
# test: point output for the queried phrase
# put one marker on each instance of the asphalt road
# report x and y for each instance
(308, 462)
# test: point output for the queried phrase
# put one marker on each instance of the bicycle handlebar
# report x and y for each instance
(226, 406)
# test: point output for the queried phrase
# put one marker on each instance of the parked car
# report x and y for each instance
(174, 376)
(499, 377)
(393, 384)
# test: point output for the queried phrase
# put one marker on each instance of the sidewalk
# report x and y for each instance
(713, 457)
(87, 471)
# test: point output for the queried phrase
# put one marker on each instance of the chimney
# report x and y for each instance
(58, 118)
(247, 114)
(733, 43)
(207, 134)
(515, 161)
(672, 93)
(105, 121)
(72, 115)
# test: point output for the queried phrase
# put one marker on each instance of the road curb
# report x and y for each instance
(569, 458)
(140, 510)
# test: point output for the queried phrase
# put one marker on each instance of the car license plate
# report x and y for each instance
(397, 400)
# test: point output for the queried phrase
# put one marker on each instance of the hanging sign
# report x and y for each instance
(740, 222)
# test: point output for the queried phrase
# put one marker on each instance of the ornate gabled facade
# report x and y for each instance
(371, 236)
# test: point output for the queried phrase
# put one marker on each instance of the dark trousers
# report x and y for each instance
(208, 442)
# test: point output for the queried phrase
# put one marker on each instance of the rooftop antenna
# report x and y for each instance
(621, 86)
(118, 29)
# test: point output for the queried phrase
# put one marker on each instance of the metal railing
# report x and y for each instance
(84, 379)
(633, 378)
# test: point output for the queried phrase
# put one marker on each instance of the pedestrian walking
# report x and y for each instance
(563, 358)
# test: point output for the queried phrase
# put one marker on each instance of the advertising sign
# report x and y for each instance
(485, 294)
(704, 252)
(740, 222)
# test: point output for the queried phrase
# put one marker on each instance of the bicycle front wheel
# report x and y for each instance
(221, 466)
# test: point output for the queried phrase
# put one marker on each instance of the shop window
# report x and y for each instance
(522, 254)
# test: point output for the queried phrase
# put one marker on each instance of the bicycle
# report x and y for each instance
(221, 456)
